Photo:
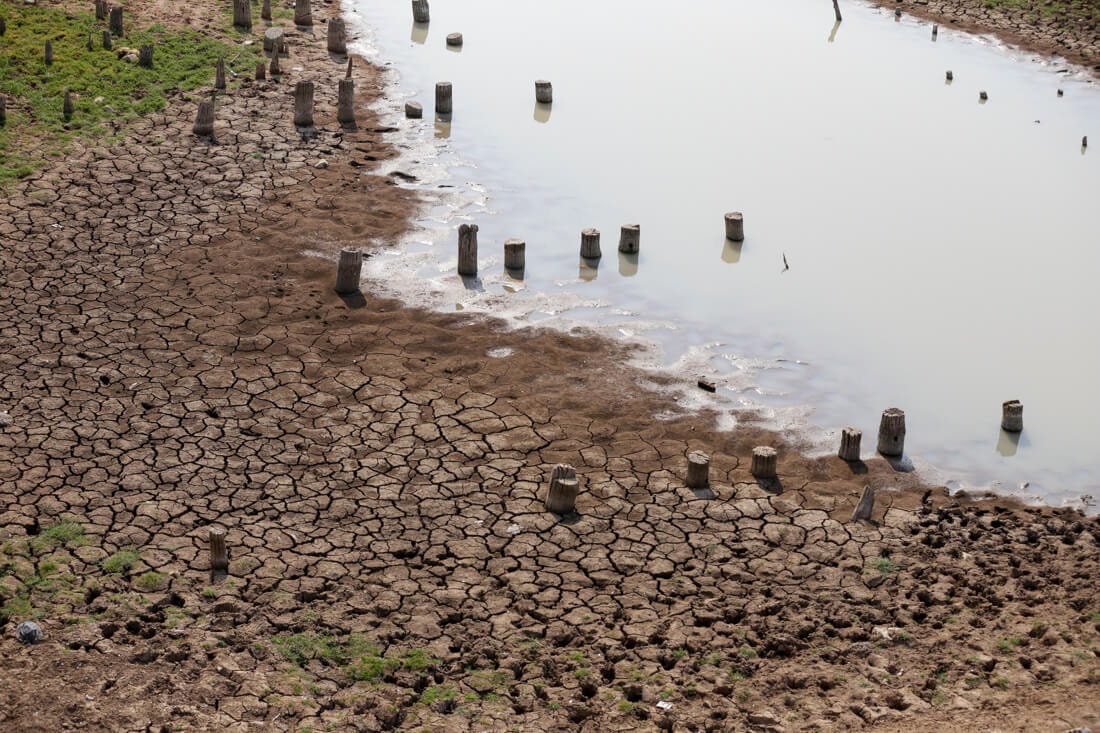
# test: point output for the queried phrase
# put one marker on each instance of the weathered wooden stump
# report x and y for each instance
(735, 226)
(850, 438)
(836, 10)
(219, 555)
(982, 96)
(1085, 141)
(421, 12)
(273, 69)
(561, 497)
(454, 40)
(337, 37)
(219, 74)
(107, 40)
(261, 71)
(413, 110)
(91, 41)
(764, 459)
(101, 9)
(345, 102)
(303, 104)
(349, 271)
(515, 254)
(67, 106)
(630, 238)
(950, 76)
(1012, 416)
(48, 53)
(242, 14)
(303, 13)
(1061, 93)
(698, 473)
(204, 119)
(114, 24)
(891, 432)
(935, 31)
(865, 506)
(265, 10)
(3, 110)
(544, 91)
(273, 40)
(590, 244)
(145, 56)
(443, 98)
(467, 250)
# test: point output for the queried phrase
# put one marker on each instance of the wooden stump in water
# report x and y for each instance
(1085, 141)
(935, 31)
(735, 226)
(950, 76)
(337, 37)
(454, 39)
(145, 56)
(544, 91)
(561, 497)
(345, 104)
(204, 119)
(891, 432)
(421, 12)
(219, 555)
(242, 14)
(261, 71)
(590, 244)
(303, 104)
(865, 506)
(115, 22)
(273, 40)
(630, 238)
(67, 106)
(836, 10)
(443, 100)
(698, 473)
(100, 9)
(219, 74)
(413, 110)
(515, 254)
(48, 53)
(983, 96)
(107, 40)
(1012, 416)
(764, 459)
(303, 13)
(265, 10)
(348, 272)
(467, 250)
(850, 438)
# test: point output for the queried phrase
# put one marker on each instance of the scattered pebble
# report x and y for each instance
(28, 632)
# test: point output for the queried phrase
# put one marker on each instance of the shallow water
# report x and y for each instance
(942, 251)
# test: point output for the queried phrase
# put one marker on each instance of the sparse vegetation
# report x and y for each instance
(120, 562)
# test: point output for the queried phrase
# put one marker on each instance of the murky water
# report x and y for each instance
(941, 252)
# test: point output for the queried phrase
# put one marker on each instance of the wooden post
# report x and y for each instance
(413, 110)
(544, 91)
(1012, 416)
(48, 53)
(337, 38)
(982, 96)
(273, 40)
(115, 22)
(107, 40)
(630, 238)
(421, 12)
(242, 14)
(467, 250)
(219, 74)
(836, 10)
(345, 104)
(735, 226)
(850, 439)
(219, 555)
(91, 41)
(303, 13)
(891, 432)
(561, 497)
(100, 9)
(3, 110)
(303, 104)
(698, 474)
(349, 271)
(590, 244)
(443, 98)
(515, 254)
(67, 106)
(950, 76)
(865, 506)
(935, 31)
(261, 71)
(454, 40)
(145, 56)
(764, 459)
(204, 119)
(265, 10)
(1084, 142)
(273, 68)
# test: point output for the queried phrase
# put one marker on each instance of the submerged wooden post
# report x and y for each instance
(561, 497)
(850, 439)
(515, 254)
(219, 555)
(735, 226)
(337, 37)
(145, 56)
(590, 244)
(982, 96)
(48, 53)
(1085, 141)
(891, 432)
(630, 238)
(950, 76)
(935, 31)
(303, 13)
(698, 473)
(544, 91)
(67, 106)
(204, 119)
(303, 104)
(421, 12)
(836, 10)
(443, 98)
(115, 22)
(764, 459)
(345, 102)
(347, 74)
(242, 14)
(467, 250)
(413, 110)
(865, 506)
(348, 271)
(1012, 416)
(265, 10)
(219, 74)
(107, 40)
(454, 39)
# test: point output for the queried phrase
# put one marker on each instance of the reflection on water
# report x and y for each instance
(910, 214)
(542, 112)
(419, 32)
(1007, 443)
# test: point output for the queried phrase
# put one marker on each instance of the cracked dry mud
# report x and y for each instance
(171, 362)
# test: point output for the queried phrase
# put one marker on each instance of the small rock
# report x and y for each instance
(764, 718)
(321, 164)
(28, 632)
(5, 419)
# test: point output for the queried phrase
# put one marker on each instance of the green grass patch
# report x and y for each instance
(120, 562)
(435, 694)
(151, 581)
(884, 565)
(64, 532)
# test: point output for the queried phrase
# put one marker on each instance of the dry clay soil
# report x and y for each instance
(171, 362)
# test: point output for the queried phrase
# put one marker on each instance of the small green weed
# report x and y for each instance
(120, 562)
